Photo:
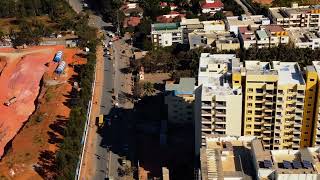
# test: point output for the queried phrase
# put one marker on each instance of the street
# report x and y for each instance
(105, 148)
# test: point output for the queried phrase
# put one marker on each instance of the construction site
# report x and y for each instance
(36, 85)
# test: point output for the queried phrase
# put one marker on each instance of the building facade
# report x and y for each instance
(166, 34)
(179, 98)
(296, 16)
(218, 97)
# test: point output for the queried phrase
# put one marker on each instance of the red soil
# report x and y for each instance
(21, 78)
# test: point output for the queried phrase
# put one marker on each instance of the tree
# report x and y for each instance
(218, 16)
(148, 88)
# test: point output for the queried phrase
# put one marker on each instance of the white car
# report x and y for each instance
(110, 43)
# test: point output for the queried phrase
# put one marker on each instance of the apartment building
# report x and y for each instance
(218, 103)
(222, 40)
(222, 158)
(299, 164)
(296, 16)
(274, 103)
(233, 23)
(305, 37)
(179, 98)
(166, 34)
(289, 106)
(264, 36)
(314, 84)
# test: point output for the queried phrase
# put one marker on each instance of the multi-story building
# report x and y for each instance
(221, 40)
(274, 103)
(299, 164)
(296, 16)
(233, 23)
(289, 106)
(265, 36)
(226, 157)
(314, 82)
(179, 98)
(305, 37)
(218, 100)
(166, 34)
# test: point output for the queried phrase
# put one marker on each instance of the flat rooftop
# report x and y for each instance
(303, 161)
(185, 86)
(223, 157)
(247, 20)
(164, 26)
(288, 72)
(303, 35)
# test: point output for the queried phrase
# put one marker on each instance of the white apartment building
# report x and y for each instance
(166, 34)
(302, 164)
(305, 37)
(233, 23)
(296, 16)
(218, 100)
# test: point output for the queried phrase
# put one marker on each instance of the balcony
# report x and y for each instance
(220, 105)
(206, 112)
(206, 121)
(220, 113)
(219, 127)
(206, 106)
(206, 127)
(220, 119)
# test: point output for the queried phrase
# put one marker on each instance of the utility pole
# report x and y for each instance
(118, 23)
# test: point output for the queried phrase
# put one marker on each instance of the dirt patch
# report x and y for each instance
(32, 151)
(156, 77)
(263, 2)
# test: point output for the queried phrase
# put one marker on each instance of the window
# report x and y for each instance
(236, 81)
(280, 91)
(249, 104)
(249, 112)
(279, 98)
(259, 91)
(249, 118)
(311, 79)
(250, 97)
(248, 126)
(305, 132)
(310, 90)
(309, 104)
(250, 90)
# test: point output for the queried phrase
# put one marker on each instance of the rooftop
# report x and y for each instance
(288, 72)
(244, 20)
(165, 26)
(185, 86)
(303, 161)
(215, 73)
(223, 155)
(303, 35)
(215, 4)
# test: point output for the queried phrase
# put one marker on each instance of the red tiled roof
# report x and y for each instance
(216, 4)
(163, 4)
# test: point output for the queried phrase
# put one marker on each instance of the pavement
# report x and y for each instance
(76, 5)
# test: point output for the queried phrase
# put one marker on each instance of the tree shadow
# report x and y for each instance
(46, 165)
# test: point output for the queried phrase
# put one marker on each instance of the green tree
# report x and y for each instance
(148, 88)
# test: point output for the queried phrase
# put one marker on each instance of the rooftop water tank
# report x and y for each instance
(58, 56)
(61, 67)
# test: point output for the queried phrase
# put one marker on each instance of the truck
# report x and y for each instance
(100, 121)
(10, 101)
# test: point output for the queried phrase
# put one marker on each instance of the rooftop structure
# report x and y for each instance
(185, 86)
(225, 156)
(289, 72)
(235, 22)
(305, 37)
(166, 34)
(211, 6)
(285, 164)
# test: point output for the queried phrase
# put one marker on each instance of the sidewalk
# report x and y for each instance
(88, 169)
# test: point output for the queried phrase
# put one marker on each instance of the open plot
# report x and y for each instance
(46, 107)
